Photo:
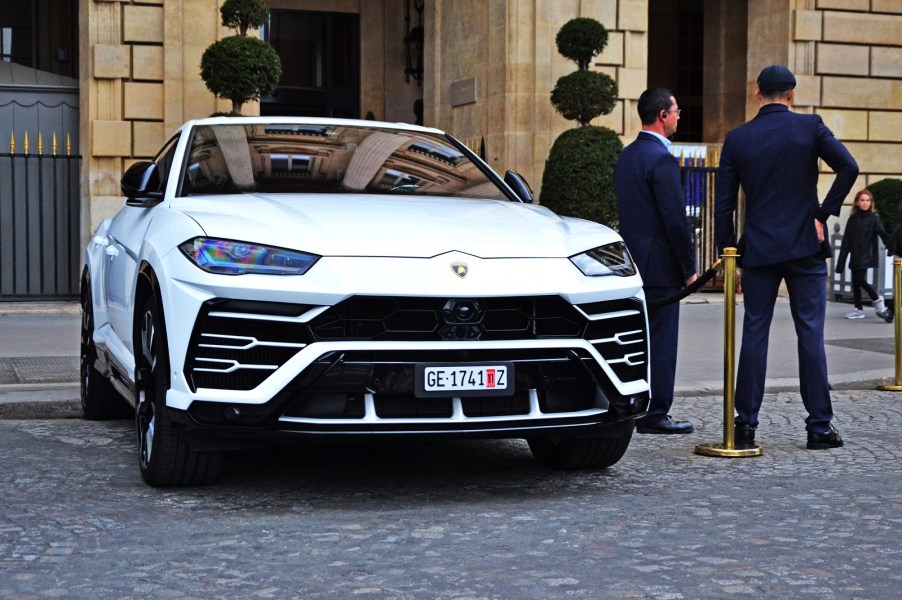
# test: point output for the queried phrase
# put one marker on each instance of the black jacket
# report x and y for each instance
(859, 241)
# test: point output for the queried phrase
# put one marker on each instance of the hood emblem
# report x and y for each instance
(460, 269)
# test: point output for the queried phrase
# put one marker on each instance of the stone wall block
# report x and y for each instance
(631, 82)
(846, 124)
(147, 138)
(635, 50)
(808, 24)
(878, 30)
(198, 101)
(614, 120)
(613, 52)
(885, 127)
(808, 90)
(858, 92)
(842, 59)
(876, 157)
(111, 138)
(148, 63)
(887, 6)
(142, 24)
(861, 5)
(111, 61)
(886, 62)
(633, 15)
(143, 100)
(603, 11)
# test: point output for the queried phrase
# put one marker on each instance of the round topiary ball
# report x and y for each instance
(583, 95)
(580, 39)
(579, 175)
(243, 14)
(240, 69)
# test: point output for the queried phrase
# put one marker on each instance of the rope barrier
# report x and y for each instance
(689, 289)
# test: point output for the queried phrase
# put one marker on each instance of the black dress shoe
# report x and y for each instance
(823, 441)
(664, 425)
(744, 435)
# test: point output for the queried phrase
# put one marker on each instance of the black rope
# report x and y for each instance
(689, 289)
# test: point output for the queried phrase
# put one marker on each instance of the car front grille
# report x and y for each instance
(236, 345)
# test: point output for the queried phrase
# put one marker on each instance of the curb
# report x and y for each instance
(54, 401)
(40, 308)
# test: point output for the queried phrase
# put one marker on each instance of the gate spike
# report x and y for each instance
(12, 143)
(26, 142)
(68, 145)
(54, 143)
(40, 144)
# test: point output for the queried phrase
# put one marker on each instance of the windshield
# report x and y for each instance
(322, 159)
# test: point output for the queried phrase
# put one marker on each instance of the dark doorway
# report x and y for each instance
(676, 59)
(41, 34)
(320, 55)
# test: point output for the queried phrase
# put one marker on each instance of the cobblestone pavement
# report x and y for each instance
(462, 520)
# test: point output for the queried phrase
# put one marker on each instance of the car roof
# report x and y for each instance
(240, 120)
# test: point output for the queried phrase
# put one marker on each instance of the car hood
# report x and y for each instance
(376, 225)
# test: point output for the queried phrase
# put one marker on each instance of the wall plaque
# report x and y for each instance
(463, 92)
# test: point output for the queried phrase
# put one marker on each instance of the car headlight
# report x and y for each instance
(610, 259)
(228, 257)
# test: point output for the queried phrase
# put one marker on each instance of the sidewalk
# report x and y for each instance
(39, 347)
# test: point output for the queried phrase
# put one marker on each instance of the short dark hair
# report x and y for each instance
(652, 102)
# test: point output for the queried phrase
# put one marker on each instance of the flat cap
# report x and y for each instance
(776, 78)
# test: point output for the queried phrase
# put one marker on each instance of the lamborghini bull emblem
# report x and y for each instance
(460, 269)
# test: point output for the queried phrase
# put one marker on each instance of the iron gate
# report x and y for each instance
(40, 251)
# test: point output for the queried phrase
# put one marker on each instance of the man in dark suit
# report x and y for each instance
(774, 157)
(653, 223)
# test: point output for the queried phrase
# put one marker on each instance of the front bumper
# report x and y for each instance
(349, 369)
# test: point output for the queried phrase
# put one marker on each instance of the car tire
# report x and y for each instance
(581, 453)
(99, 399)
(164, 455)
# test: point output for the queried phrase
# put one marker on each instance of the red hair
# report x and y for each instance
(864, 192)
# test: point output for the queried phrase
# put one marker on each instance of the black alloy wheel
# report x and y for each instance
(164, 455)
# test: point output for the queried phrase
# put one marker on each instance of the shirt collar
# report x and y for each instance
(667, 143)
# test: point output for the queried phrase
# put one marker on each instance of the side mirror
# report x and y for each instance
(516, 182)
(141, 184)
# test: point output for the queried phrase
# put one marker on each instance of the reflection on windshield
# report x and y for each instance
(313, 159)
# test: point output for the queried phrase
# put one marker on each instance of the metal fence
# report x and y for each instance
(698, 186)
(39, 219)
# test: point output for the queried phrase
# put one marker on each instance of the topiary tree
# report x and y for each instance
(888, 197)
(241, 68)
(579, 173)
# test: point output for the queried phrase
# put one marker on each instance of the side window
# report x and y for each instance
(163, 161)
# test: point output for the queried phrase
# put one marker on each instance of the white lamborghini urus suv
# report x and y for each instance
(271, 280)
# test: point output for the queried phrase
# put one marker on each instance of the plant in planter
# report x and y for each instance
(579, 172)
(888, 197)
(241, 68)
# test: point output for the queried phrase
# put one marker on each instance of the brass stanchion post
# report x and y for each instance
(728, 447)
(897, 304)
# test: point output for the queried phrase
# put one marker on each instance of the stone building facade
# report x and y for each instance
(488, 67)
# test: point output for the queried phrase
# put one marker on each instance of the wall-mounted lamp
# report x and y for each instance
(413, 43)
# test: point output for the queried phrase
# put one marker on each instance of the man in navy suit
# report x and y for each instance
(653, 223)
(774, 157)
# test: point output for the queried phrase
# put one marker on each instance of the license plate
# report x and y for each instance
(489, 379)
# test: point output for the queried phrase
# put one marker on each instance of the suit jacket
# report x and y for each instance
(651, 208)
(775, 159)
